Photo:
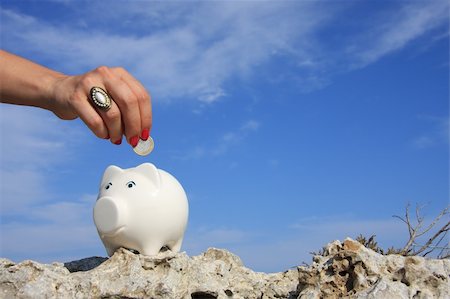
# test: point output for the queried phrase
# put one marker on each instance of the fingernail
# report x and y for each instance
(134, 141)
(144, 134)
(107, 137)
(118, 142)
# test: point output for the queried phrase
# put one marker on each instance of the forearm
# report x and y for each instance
(24, 82)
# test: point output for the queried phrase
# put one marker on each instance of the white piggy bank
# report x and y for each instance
(141, 208)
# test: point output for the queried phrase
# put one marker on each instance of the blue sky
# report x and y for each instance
(289, 124)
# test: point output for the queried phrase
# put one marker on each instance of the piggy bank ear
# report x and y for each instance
(111, 171)
(151, 172)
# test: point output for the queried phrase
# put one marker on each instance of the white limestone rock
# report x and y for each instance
(346, 270)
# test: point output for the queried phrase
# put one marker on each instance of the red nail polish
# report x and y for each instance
(134, 141)
(107, 137)
(118, 142)
(145, 134)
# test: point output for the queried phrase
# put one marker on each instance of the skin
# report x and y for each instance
(24, 82)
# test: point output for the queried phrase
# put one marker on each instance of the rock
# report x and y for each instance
(354, 271)
(345, 269)
(85, 264)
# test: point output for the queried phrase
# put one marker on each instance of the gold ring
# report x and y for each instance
(100, 98)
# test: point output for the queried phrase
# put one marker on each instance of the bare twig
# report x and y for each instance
(441, 253)
(430, 241)
(436, 246)
(432, 224)
(411, 229)
(415, 231)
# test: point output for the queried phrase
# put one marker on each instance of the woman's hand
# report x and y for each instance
(24, 82)
(129, 115)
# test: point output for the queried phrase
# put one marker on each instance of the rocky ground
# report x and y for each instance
(344, 270)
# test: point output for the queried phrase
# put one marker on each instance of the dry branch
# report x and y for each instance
(415, 231)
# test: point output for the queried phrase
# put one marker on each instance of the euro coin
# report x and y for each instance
(144, 147)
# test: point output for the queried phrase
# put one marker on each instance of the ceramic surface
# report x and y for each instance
(141, 208)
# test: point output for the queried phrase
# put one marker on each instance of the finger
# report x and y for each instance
(112, 119)
(89, 115)
(144, 99)
(129, 108)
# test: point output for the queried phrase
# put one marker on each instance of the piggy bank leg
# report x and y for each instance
(151, 249)
(110, 250)
(176, 246)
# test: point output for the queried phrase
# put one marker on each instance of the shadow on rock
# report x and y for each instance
(85, 264)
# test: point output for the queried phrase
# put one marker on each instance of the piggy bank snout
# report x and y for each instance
(109, 215)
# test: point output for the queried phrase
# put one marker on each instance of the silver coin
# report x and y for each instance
(144, 147)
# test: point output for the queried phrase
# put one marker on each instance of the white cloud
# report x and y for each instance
(230, 139)
(351, 228)
(188, 51)
(197, 152)
(57, 238)
(399, 28)
(424, 142)
(65, 213)
(31, 136)
(222, 145)
(49, 242)
(273, 162)
(292, 246)
(20, 189)
(33, 141)
(437, 133)
(36, 147)
(184, 60)
(54, 231)
(249, 126)
(197, 239)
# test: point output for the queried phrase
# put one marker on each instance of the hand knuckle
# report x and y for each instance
(121, 70)
(129, 101)
(102, 70)
(74, 99)
(87, 81)
(143, 98)
(132, 104)
(96, 123)
(113, 115)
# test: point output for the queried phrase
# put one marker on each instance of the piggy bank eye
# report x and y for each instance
(108, 186)
(131, 184)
